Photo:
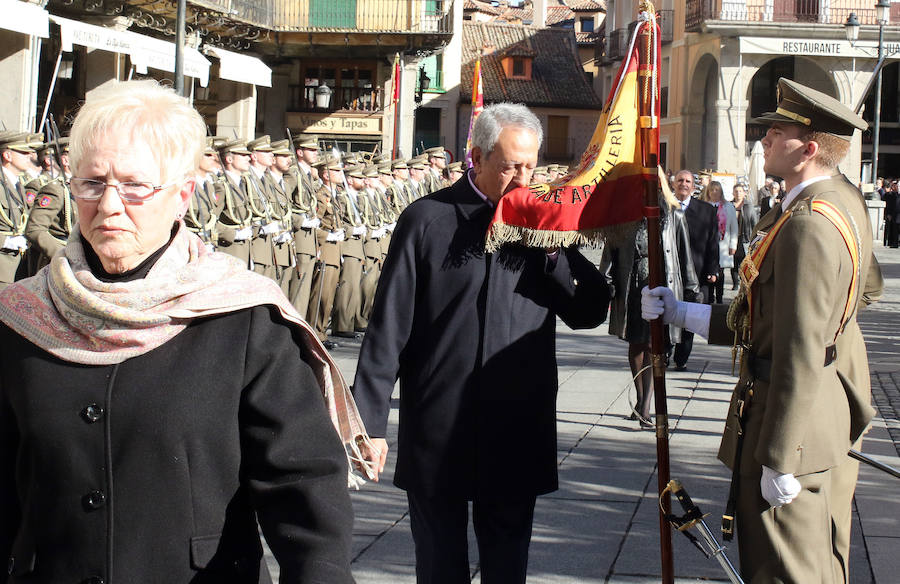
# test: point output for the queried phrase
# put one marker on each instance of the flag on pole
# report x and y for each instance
(477, 106)
(395, 101)
(601, 196)
(395, 80)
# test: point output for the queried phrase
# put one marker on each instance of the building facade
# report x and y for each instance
(722, 62)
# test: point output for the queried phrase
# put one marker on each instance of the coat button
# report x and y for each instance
(94, 500)
(92, 413)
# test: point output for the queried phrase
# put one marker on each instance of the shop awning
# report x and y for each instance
(24, 17)
(241, 68)
(144, 51)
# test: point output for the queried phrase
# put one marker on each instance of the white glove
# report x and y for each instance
(210, 248)
(359, 230)
(378, 233)
(335, 235)
(15, 243)
(270, 228)
(778, 489)
(243, 234)
(283, 237)
(391, 226)
(660, 302)
(310, 223)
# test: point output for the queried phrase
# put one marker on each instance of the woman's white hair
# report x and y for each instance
(143, 111)
(495, 117)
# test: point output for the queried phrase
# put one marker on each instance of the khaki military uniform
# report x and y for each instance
(13, 218)
(325, 279)
(234, 216)
(348, 300)
(302, 189)
(283, 241)
(370, 210)
(203, 210)
(50, 222)
(803, 415)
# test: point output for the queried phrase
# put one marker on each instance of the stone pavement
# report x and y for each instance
(601, 525)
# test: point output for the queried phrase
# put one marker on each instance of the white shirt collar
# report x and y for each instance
(685, 203)
(792, 194)
(11, 176)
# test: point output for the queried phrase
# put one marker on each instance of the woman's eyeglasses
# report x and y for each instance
(88, 189)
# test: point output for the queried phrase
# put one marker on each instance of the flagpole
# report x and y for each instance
(398, 73)
(648, 91)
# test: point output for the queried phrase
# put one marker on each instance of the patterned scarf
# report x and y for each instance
(71, 314)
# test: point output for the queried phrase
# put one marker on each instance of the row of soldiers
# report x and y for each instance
(319, 225)
(36, 211)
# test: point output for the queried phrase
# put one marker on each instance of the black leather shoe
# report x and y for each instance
(345, 334)
(330, 345)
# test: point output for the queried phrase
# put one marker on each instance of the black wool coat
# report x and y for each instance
(472, 338)
(703, 231)
(157, 469)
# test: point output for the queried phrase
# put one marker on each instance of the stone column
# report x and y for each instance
(17, 92)
(237, 113)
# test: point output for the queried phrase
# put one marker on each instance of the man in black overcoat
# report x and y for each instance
(472, 338)
(703, 231)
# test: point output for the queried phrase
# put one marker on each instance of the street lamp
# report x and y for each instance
(851, 28)
(424, 84)
(323, 96)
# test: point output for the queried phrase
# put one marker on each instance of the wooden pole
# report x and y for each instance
(648, 91)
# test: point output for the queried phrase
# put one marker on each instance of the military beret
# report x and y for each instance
(799, 104)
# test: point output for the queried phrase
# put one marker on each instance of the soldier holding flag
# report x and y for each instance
(803, 398)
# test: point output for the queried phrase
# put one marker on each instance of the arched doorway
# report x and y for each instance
(701, 128)
(762, 91)
(889, 140)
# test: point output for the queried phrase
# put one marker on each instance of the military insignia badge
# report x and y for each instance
(44, 201)
(29, 196)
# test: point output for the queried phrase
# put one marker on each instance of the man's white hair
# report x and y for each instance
(142, 111)
(495, 117)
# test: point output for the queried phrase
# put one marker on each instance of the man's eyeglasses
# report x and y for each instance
(88, 189)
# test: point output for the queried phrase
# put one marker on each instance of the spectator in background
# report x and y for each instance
(727, 232)
(891, 215)
(703, 234)
(746, 218)
(627, 271)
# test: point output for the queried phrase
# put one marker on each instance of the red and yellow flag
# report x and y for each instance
(604, 191)
(395, 80)
(477, 106)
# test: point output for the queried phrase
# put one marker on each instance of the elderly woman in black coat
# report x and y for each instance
(158, 401)
(626, 267)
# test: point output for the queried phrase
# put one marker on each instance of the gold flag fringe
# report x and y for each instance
(501, 233)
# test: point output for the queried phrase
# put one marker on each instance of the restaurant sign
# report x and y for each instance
(334, 123)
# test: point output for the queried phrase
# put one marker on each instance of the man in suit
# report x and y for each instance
(703, 232)
(803, 398)
(472, 338)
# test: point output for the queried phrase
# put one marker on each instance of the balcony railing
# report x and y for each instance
(618, 44)
(394, 16)
(811, 11)
(351, 99)
(409, 16)
(666, 25)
